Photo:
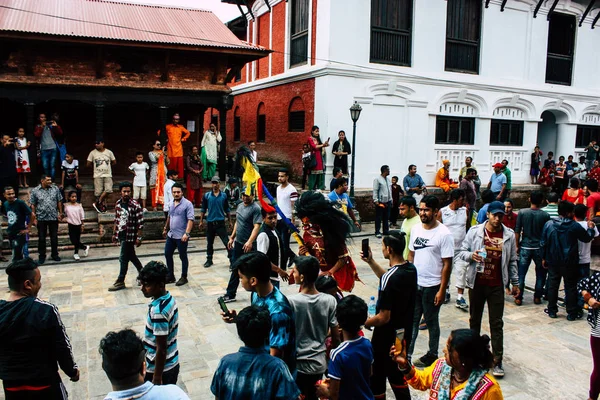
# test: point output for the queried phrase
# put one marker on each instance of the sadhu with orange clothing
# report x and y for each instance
(174, 135)
(325, 231)
(462, 374)
(442, 178)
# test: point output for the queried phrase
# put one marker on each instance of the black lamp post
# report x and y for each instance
(355, 115)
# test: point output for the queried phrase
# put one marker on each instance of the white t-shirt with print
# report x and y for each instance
(140, 173)
(430, 246)
(102, 161)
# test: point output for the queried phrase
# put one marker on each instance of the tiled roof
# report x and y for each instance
(108, 20)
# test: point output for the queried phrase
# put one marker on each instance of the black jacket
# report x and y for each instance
(33, 340)
(559, 241)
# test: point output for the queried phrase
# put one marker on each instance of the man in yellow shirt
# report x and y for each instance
(176, 135)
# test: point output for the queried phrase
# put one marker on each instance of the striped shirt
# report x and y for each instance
(162, 320)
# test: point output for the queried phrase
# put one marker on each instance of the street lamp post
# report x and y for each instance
(355, 115)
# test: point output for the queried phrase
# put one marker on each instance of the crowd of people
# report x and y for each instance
(310, 345)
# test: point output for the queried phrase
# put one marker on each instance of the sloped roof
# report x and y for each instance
(100, 19)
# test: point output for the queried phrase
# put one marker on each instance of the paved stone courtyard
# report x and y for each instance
(544, 358)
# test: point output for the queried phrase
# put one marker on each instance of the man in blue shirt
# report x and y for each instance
(340, 196)
(180, 222)
(123, 362)
(413, 184)
(215, 203)
(498, 182)
(252, 373)
(162, 323)
(254, 270)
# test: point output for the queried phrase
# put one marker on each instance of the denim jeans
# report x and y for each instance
(49, 162)
(494, 297)
(382, 214)
(570, 275)
(170, 246)
(584, 272)
(17, 244)
(127, 255)
(285, 234)
(424, 305)
(234, 278)
(525, 258)
(52, 228)
(213, 229)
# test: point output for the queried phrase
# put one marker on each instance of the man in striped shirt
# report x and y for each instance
(160, 336)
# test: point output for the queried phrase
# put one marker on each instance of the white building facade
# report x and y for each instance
(446, 79)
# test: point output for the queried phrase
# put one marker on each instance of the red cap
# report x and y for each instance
(498, 165)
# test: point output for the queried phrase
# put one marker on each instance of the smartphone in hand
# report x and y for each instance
(399, 343)
(365, 247)
(223, 307)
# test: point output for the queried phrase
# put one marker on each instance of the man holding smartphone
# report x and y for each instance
(395, 311)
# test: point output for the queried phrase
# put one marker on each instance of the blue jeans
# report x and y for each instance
(541, 273)
(49, 161)
(584, 272)
(234, 278)
(17, 244)
(424, 305)
(170, 246)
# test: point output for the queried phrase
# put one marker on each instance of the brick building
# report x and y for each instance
(436, 79)
(113, 70)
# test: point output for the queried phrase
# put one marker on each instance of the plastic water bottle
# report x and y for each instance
(372, 307)
(481, 265)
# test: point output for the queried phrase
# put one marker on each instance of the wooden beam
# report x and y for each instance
(249, 9)
(587, 11)
(502, 5)
(551, 10)
(268, 5)
(596, 20)
(100, 66)
(537, 8)
(165, 69)
(487, 3)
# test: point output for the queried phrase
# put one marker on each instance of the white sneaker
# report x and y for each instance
(145, 210)
(86, 251)
(76, 257)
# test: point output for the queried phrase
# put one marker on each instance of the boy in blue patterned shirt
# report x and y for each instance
(160, 336)
(254, 269)
(252, 373)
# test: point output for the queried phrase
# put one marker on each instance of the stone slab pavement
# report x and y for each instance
(544, 358)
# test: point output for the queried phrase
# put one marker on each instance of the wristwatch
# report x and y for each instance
(187, 234)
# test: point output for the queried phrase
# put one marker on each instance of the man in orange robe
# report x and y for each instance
(176, 135)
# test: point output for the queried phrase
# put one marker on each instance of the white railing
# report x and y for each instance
(517, 159)
(457, 159)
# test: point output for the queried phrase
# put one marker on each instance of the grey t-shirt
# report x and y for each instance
(315, 314)
(47, 142)
(530, 224)
(246, 217)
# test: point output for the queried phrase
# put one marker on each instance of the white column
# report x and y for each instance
(565, 141)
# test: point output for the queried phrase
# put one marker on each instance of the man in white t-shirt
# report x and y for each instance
(431, 250)
(139, 169)
(102, 160)
(455, 217)
(286, 197)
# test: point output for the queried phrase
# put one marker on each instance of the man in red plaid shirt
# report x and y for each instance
(129, 222)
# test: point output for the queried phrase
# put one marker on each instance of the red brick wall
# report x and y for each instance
(264, 24)
(280, 145)
(278, 15)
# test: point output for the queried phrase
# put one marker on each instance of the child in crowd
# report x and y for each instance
(337, 173)
(306, 153)
(74, 215)
(315, 316)
(232, 191)
(22, 157)
(70, 177)
(172, 176)
(328, 284)
(139, 169)
(268, 242)
(350, 366)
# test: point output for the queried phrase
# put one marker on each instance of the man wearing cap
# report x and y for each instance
(102, 160)
(497, 183)
(248, 218)
(176, 134)
(216, 207)
(487, 277)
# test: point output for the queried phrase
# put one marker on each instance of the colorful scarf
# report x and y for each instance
(444, 379)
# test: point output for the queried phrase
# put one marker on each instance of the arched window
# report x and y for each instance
(237, 125)
(261, 124)
(296, 115)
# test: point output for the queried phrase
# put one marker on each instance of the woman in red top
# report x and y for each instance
(316, 179)
(573, 194)
(595, 172)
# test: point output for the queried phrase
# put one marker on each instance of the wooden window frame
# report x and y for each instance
(261, 134)
(294, 121)
(237, 128)
(391, 44)
(454, 42)
(448, 121)
(515, 128)
(555, 59)
(299, 34)
(585, 134)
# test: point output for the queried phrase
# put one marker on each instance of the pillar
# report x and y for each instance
(99, 120)
(164, 110)
(223, 147)
(29, 128)
(565, 140)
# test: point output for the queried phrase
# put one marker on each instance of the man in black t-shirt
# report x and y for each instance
(395, 311)
(16, 212)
